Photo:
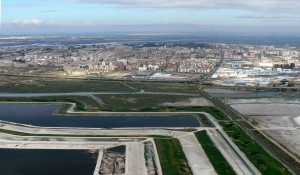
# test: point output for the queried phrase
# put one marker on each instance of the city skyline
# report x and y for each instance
(145, 16)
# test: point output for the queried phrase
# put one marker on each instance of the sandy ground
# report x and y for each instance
(96, 171)
(113, 162)
(195, 155)
(272, 121)
(239, 101)
(19, 142)
(135, 161)
(85, 131)
(40, 142)
(271, 109)
(264, 100)
(297, 120)
(279, 120)
(192, 102)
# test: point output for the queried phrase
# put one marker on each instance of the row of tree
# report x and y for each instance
(285, 66)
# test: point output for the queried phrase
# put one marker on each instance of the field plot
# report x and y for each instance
(172, 158)
(271, 109)
(39, 85)
(265, 163)
(214, 155)
(82, 102)
(138, 102)
(276, 117)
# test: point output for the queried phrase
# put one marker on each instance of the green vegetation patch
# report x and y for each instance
(31, 85)
(265, 163)
(205, 122)
(172, 158)
(63, 109)
(181, 87)
(218, 114)
(82, 103)
(216, 158)
(49, 85)
(139, 102)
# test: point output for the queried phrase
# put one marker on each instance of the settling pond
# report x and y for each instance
(47, 162)
(42, 115)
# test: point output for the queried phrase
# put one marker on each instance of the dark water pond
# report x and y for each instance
(46, 162)
(42, 115)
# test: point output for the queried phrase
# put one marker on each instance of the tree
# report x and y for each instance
(292, 65)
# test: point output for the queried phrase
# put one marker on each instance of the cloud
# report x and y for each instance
(252, 5)
(31, 22)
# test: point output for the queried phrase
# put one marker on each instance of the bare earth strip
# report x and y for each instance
(156, 158)
(273, 109)
(21, 142)
(237, 150)
(96, 171)
(135, 161)
(192, 102)
(195, 155)
(238, 166)
(276, 120)
(84, 131)
(297, 120)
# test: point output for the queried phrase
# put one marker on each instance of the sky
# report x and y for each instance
(151, 16)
